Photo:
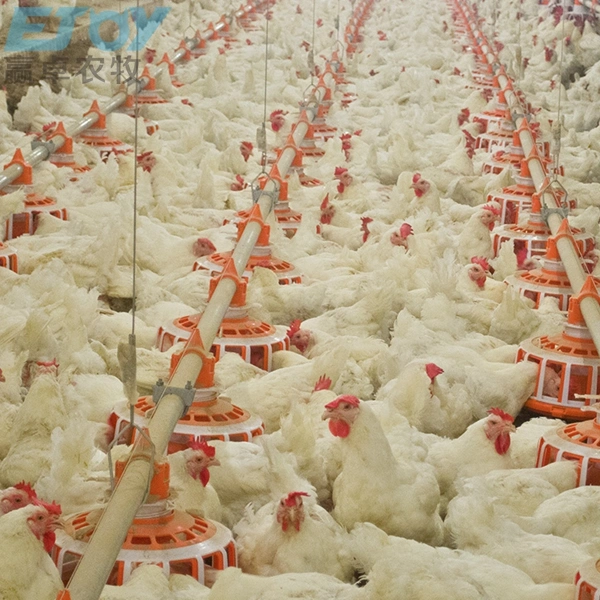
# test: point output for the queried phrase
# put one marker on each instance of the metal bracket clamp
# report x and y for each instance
(563, 209)
(49, 145)
(257, 191)
(185, 394)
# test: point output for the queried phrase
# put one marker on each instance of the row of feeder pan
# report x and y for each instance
(255, 341)
(177, 541)
(568, 374)
(57, 146)
(287, 218)
(211, 415)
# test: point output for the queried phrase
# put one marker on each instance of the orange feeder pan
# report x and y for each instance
(128, 108)
(495, 137)
(171, 67)
(64, 157)
(26, 222)
(254, 341)
(8, 258)
(210, 416)
(225, 32)
(308, 146)
(515, 199)
(587, 581)
(573, 356)
(148, 94)
(549, 281)
(505, 158)
(97, 136)
(261, 255)
(289, 220)
(534, 234)
(176, 541)
(494, 117)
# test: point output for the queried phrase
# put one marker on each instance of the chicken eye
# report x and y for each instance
(17, 500)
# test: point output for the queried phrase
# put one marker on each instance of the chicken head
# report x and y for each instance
(327, 210)
(342, 412)
(477, 275)
(203, 247)
(43, 521)
(246, 150)
(400, 237)
(498, 427)
(551, 383)
(489, 215)
(199, 457)
(300, 338)
(18, 496)
(291, 511)
(419, 185)
(277, 119)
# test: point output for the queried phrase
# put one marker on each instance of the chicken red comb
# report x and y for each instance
(500, 413)
(345, 398)
(345, 136)
(276, 113)
(52, 507)
(493, 209)
(365, 222)
(294, 327)
(247, 145)
(323, 383)
(207, 243)
(481, 261)
(433, 371)
(203, 447)
(406, 230)
(290, 499)
(416, 177)
(26, 488)
(325, 202)
(339, 171)
(358, 132)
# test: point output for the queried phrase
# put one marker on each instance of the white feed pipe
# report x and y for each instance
(566, 246)
(129, 494)
(42, 150)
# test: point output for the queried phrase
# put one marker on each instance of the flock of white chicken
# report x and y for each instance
(391, 467)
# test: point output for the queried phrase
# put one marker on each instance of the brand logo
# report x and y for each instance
(27, 36)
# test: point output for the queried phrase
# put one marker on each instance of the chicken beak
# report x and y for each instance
(326, 415)
(214, 462)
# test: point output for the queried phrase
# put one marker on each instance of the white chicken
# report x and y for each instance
(27, 535)
(190, 475)
(279, 538)
(483, 447)
(373, 486)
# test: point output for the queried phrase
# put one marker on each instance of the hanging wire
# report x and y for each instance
(135, 177)
(337, 22)
(132, 362)
(190, 27)
(261, 134)
(311, 53)
(557, 128)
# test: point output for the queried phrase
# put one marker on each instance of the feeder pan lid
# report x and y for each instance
(162, 537)
(261, 257)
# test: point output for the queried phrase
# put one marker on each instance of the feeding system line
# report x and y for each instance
(552, 212)
(129, 494)
(41, 150)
